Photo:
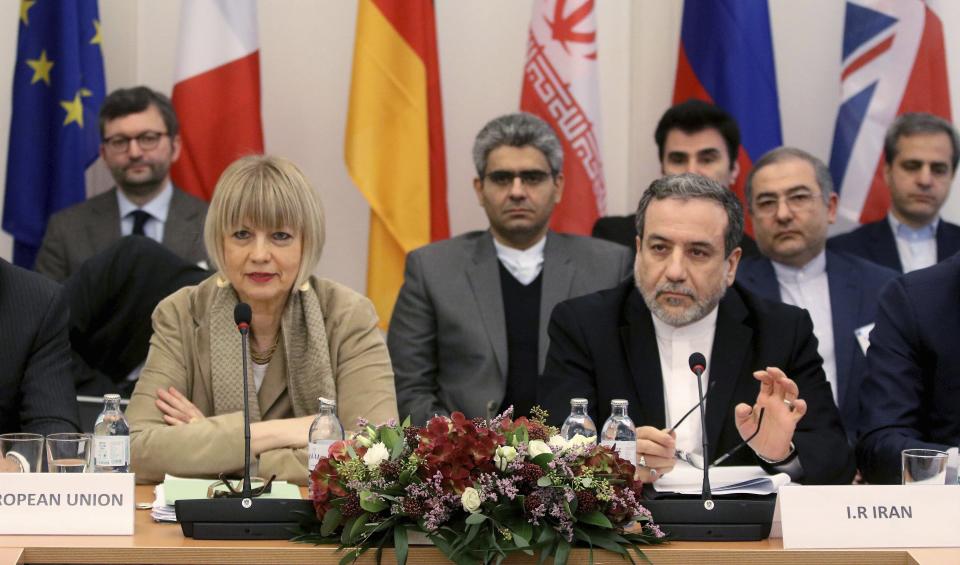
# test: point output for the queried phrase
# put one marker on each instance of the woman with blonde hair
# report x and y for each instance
(309, 337)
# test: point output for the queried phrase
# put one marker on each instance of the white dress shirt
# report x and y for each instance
(524, 265)
(680, 391)
(809, 288)
(157, 208)
(917, 247)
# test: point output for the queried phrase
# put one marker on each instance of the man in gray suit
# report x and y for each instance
(141, 140)
(468, 331)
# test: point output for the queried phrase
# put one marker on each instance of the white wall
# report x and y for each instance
(306, 55)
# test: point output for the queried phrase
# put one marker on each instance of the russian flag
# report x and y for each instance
(726, 57)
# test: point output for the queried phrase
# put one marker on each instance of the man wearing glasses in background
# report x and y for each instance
(764, 384)
(468, 331)
(792, 203)
(140, 141)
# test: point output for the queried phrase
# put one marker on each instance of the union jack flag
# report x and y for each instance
(893, 63)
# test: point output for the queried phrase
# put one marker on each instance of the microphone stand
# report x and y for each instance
(246, 516)
(247, 490)
(701, 518)
(705, 494)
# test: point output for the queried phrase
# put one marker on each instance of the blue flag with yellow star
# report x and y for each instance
(58, 86)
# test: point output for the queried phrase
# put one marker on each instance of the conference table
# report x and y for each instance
(164, 543)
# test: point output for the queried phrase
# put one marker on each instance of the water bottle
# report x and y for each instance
(578, 422)
(324, 430)
(111, 438)
(619, 433)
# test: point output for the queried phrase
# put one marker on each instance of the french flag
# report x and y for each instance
(217, 90)
(726, 58)
(893, 63)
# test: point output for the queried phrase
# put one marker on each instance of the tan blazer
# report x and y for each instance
(180, 357)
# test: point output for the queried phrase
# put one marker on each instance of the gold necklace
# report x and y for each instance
(262, 358)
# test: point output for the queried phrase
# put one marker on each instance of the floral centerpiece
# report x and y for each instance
(478, 490)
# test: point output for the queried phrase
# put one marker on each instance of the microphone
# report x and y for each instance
(241, 517)
(242, 314)
(692, 518)
(698, 364)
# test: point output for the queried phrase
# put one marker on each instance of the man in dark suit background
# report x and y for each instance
(633, 342)
(692, 137)
(792, 203)
(912, 392)
(468, 331)
(111, 298)
(140, 141)
(36, 373)
(921, 152)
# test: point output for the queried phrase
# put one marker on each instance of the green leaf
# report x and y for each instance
(475, 518)
(522, 529)
(345, 538)
(406, 422)
(331, 520)
(543, 459)
(544, 482)
(595, 518)
(405, 476)
(400, 544)
(563, 552)
(519, 540)
(358, 526)
(371, 502)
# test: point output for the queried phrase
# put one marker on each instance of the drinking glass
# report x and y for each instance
(25, 449)
(69, 453)
(924, 467)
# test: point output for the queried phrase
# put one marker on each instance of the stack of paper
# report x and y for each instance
(686, 479)
(176, 488)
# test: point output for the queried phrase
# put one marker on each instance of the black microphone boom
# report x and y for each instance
(244, 517)
(703, 518)
(698, 364)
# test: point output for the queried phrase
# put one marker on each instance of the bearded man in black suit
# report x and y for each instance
(765, 380)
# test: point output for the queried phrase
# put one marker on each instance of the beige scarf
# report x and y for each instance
(305, 347)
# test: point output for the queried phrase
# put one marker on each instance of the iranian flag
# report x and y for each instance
(560, 85)
(217, 90)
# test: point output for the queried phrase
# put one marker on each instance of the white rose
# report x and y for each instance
(558, 442)
(470, 499)
(377, 454)
(503, 456)
(579, 440)
(538, 447)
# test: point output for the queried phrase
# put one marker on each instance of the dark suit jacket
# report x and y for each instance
(875, 242)
(36, 374)
(911, 396)
(448, 337)
(603, 346)
(623, 230)
(81, 231)
(111, 298)
(855, 285)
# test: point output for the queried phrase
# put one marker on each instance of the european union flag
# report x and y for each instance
(58, 87)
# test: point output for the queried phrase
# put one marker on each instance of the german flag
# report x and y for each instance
(394, 147)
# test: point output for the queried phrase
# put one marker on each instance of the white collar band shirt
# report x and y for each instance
(525, 265)
(680, 392)
(917, 248)
(808, 287)
(157, 208)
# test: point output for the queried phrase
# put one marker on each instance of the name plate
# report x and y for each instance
(870, 516)
(67, 503)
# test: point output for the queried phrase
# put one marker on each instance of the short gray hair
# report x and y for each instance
(689, 186)
(785, 153)
(518, 130)
(919, 123)
(270, 192)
